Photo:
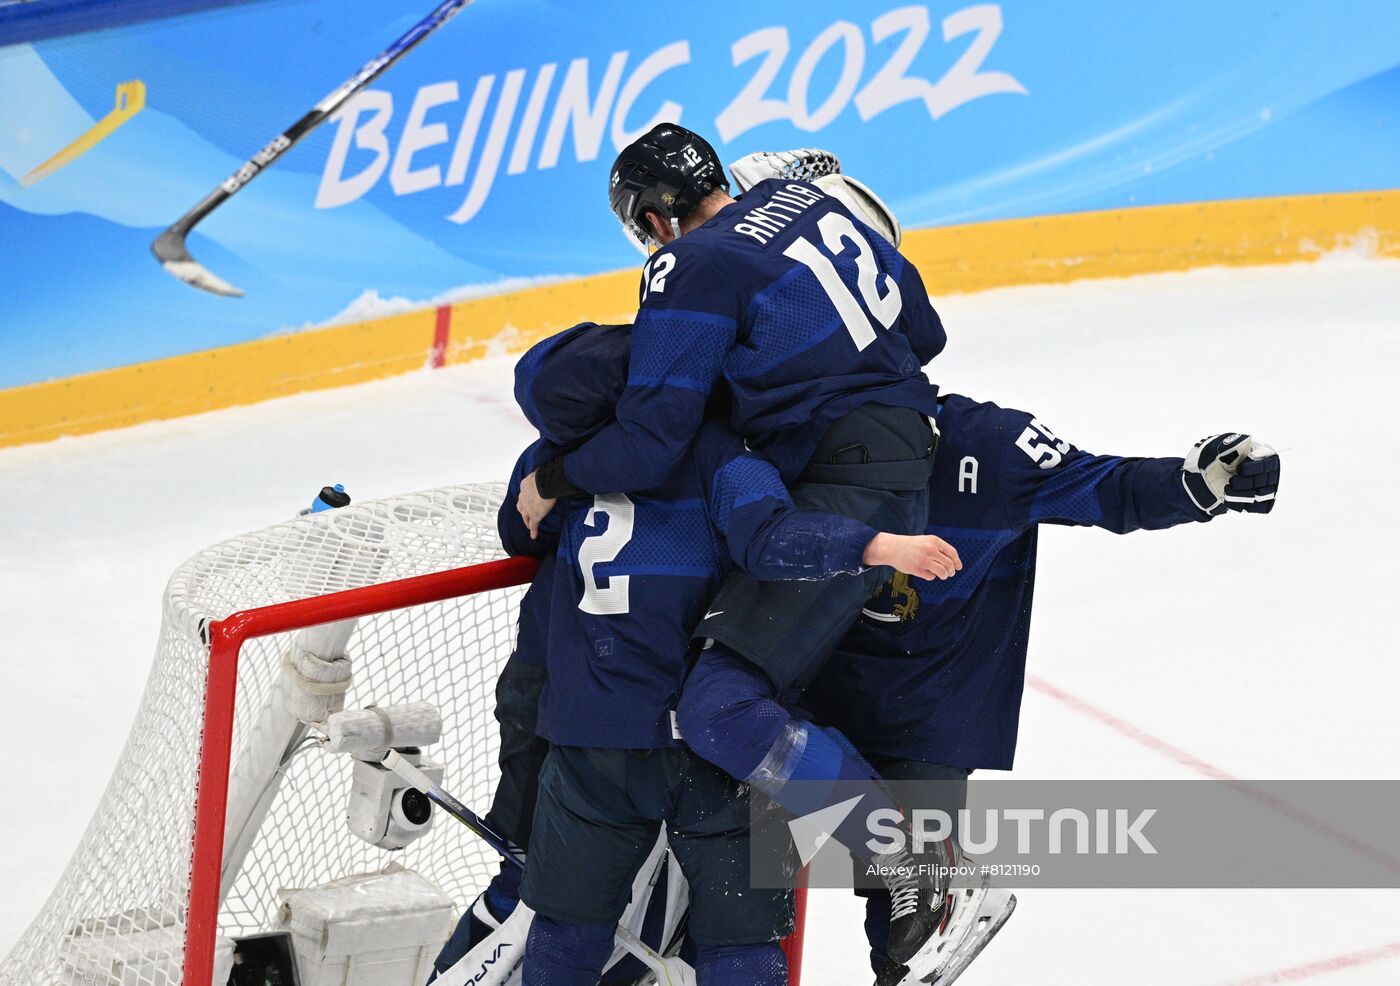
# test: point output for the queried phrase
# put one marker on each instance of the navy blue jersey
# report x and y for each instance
(532, 627)
(635, 571)
(934, 671)
(515, 536)
(806, 313)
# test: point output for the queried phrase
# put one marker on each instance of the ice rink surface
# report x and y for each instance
(1255, 647)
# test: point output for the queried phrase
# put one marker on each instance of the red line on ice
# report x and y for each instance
(1322, 967)
(1192, 762)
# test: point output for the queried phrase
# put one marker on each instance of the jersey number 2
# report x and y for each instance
(605, 547)
(837, 230)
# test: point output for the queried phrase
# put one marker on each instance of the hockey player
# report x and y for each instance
(929, 683)
(617, 655)
(521, 752)
(1006, 466)
(562, 415)
(819, 329)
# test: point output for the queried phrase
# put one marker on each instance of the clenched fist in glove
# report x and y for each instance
(1231, 472)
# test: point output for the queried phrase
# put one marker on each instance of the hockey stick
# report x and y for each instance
(421, 782)
(169, 247)
(668, 971)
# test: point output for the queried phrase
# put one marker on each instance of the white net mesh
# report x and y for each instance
(117, 916)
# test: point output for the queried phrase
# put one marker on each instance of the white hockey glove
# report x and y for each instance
(822, 169)
(799, 164)
(1231, 472)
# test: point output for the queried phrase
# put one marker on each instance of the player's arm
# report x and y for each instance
(918, 320)
(685, 326)
(1115, 493)
(1060, 484)
(769, 537)
(515, 536)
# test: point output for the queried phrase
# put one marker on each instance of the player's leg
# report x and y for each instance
(729, 718)
(521, 757)
(873, 465)
(737, 928)
(522, 752)
(598, 816)
(918, 784)
(975, 911)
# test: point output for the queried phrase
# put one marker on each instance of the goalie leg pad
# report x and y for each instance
(474, 927)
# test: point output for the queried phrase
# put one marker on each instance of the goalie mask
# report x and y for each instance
(668, 170)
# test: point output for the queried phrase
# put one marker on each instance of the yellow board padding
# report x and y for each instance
(514, 322)
(216, 378)
(1153, 239)
(952, 259)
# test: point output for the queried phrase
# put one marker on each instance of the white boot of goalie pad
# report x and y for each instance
(316, 674)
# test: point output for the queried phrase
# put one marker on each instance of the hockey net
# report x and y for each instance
(434, 611)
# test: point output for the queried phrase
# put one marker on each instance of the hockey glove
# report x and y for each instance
(800, 164)
(822, 169)
(1231, 472)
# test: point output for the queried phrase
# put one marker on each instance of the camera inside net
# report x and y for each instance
(383, 809)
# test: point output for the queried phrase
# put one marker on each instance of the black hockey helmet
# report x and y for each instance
(667, 171)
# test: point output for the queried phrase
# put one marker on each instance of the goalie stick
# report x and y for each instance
(668, 971)
(170, 249)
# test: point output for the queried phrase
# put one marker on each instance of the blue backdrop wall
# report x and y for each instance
(482, 159)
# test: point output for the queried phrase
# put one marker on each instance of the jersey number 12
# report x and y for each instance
(837, 230)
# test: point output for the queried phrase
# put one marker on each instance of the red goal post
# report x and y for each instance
(222, 797)
(226, 639)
